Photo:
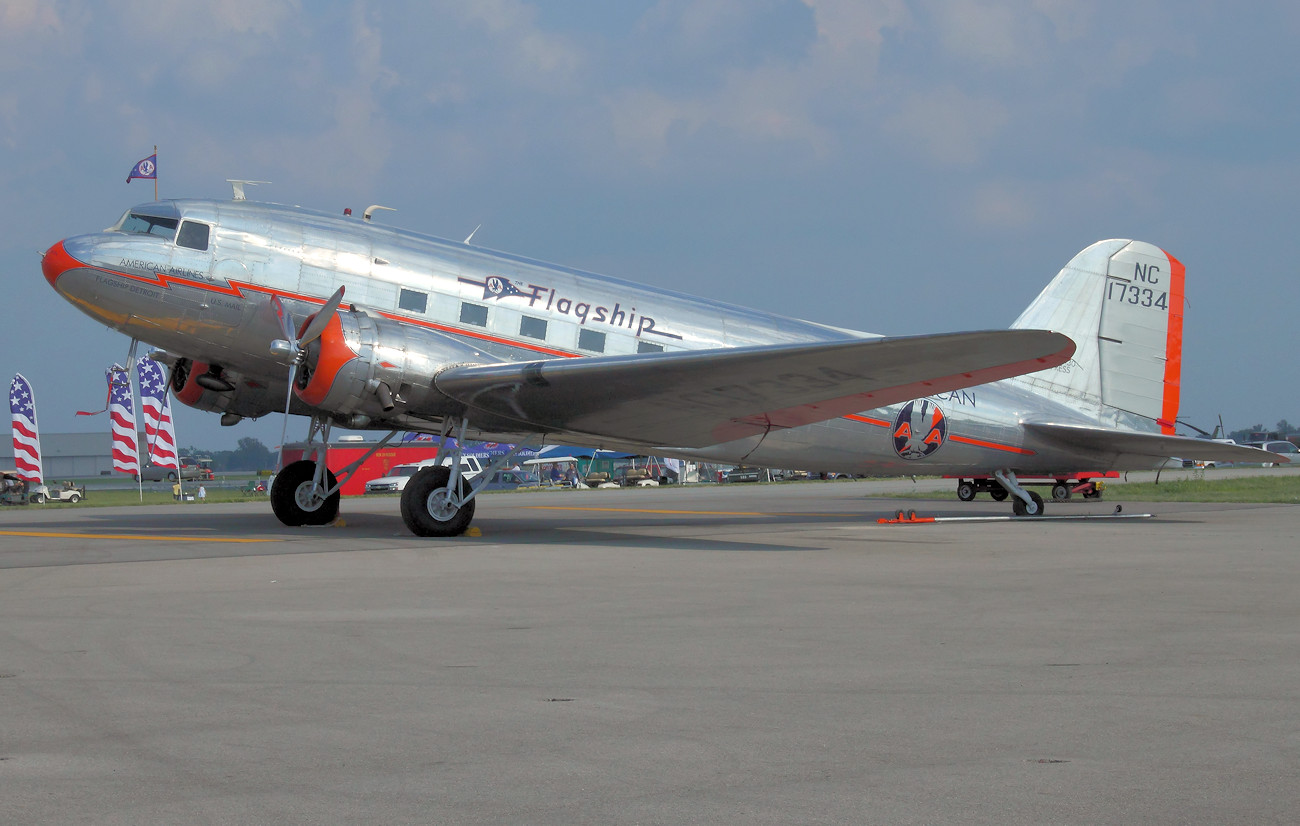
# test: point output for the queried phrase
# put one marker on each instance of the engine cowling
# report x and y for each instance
(369, 366)
(248, 398)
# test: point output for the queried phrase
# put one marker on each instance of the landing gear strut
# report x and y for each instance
(430, 509)
(297, 500)
(306, 492)
(438, 500)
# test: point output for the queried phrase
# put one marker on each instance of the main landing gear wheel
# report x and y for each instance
(1060, 492)
(1019, 508)
(429, 510)
(293, 501)
(965, 491)
(998, 493)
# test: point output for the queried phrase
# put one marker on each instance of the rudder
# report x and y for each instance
(1121, 302)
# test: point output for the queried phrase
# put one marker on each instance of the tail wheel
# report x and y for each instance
(428, 510)
(1019, 508)
(965, 491)
(293, 501)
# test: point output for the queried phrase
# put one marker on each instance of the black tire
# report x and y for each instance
(965, 491)
(74, 498)
(420, 498)
(1060, 492)
(997, 492)
(1019, 509)
(289, 496)
(38, 498)
(171, 476)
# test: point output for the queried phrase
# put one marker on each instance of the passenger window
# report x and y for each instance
(591, 340)
(475, 314)
(649, 347)
(530, 327)
(193, 235)
(412, 301)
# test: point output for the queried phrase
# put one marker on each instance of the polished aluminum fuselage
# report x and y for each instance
(214, 306)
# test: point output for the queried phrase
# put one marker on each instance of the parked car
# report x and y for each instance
(153, 473)
(1280, 447)
(511, 480)
(396, 480)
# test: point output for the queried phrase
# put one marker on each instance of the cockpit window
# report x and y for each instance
(149, 225)
(193, 235)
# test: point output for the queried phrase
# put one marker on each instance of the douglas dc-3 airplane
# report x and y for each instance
(246, 303)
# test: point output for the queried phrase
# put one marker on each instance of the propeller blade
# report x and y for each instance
(321, 320)
(286, 321)
(288, 400)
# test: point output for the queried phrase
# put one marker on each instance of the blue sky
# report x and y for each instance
(898, 167)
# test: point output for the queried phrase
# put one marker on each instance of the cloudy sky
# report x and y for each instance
(897, 166)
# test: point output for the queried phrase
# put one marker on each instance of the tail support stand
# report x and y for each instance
(1026, 502)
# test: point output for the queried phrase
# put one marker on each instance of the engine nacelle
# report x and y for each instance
(369, 366)
(246, 398)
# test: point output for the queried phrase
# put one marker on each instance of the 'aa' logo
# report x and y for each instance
(497, 287)
(919, 429)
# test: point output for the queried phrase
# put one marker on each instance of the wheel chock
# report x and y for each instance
(473, 532)
(908, 518)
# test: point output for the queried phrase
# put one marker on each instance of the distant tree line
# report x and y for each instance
(250, 455)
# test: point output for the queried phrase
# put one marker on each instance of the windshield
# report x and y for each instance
(148, 225)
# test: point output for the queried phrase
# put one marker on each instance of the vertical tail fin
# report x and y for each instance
(1122, 303)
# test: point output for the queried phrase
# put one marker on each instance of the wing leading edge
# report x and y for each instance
(705, 397)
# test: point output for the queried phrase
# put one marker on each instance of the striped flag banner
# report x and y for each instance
(121, 412)
(27, 440)
(156, 408)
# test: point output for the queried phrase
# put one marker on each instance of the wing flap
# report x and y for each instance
(705, 397)
(1155, 445)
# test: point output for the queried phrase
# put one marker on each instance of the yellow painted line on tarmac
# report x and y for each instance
(672, 512)
(133, 536)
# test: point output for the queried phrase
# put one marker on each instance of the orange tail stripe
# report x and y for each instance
(1173, 348)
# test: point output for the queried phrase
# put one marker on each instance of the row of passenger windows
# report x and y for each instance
(593, 341)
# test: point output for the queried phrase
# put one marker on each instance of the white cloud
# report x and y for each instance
(19, 18)
(531, 55)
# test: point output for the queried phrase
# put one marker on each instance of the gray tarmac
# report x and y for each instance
(718, 654)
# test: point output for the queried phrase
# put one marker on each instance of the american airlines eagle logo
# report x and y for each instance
(919, 429)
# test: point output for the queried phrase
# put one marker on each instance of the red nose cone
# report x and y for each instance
(56, 262)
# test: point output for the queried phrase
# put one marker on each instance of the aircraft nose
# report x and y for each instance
(56, 262)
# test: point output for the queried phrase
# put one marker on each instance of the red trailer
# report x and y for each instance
(342, 454)
(1064, 485)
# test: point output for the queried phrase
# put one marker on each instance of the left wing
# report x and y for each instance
(705, 397)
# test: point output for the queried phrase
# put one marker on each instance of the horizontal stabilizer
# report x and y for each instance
(1107, 440)
(705, 397)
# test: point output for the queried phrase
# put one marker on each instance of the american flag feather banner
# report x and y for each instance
(156, 408)
(27, 440)
(121, 412)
